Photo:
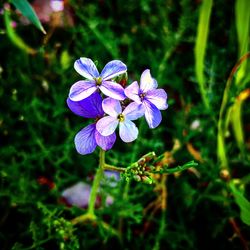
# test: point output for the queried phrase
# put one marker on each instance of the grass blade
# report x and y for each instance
(26, 9)
(243, 204)
(200, 46)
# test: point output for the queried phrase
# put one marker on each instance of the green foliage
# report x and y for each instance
(18, 41)
(243, 204)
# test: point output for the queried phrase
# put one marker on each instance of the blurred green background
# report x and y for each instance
(190, 47)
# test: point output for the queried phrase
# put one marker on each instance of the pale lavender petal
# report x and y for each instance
(152, 114)
(132, 92)
(111, 107)
(105, 142)
(112, 89)
(85, 140)
(81, 90)
(147, 82)
(91, 107)
(134, 111)
(107, 125)
(77, 195)
(113, 69)
(158, 97)
(128, 131)
(86, 67)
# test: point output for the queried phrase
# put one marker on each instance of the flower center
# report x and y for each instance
(142, 95)
(98, 81)
(121, 117)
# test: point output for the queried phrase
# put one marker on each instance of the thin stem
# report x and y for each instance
(96, 184)
(114, 168)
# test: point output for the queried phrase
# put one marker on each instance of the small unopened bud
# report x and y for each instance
(225, 175)
(147, 180)
(137, 178)
(147, 168)
(142, 161)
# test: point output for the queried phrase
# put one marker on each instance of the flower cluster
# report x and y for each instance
(119, 108)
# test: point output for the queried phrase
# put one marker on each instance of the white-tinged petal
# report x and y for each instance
(158, 97)
(81, 90)
(86, 68)
(107, 125)
(134, 111)
(147, 82)
(113, 69)
(128, 131)
(112, 89)
(132, 92)
(111, 107)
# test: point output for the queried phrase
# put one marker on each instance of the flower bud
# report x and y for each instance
(147, 179)
(137, 178)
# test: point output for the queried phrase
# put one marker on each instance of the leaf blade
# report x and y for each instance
(26, 9)
(243, 204)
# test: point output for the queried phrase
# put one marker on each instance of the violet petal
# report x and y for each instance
(112, 89)
(134, 111)
(152, 114)
(105, 142)
(107, 125)
(81, 90)
(86, 68)
(85, 140)
(90, 107)
(113, 69)
(132, 92)
(158, 97)
(147, 82)
(111, 107)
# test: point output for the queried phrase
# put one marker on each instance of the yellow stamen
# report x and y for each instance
(98, 81)
(121, 117)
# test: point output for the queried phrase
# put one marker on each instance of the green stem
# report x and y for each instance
(114, 168)
(96, 184)
(14, 38)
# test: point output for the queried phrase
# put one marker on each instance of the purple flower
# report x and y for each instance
(88, 138)
(149, 96)
(86, 67)
(127, 129)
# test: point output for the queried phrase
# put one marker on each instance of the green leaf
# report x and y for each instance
(26, 9)
(243, 204)
(242, 19)
(200, 46)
